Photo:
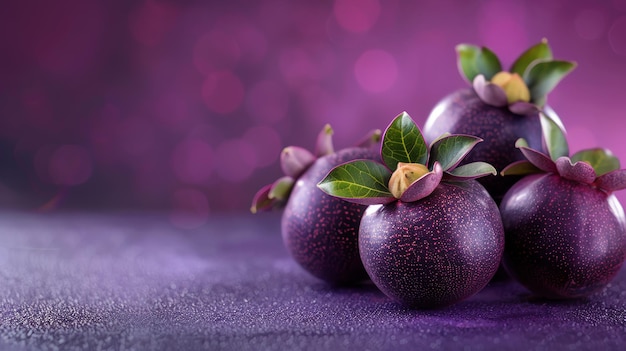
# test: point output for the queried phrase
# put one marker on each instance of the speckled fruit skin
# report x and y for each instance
(564, 239)
(463, 112)
(320, 231)
(436, 251)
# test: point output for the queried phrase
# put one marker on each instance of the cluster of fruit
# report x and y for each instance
(429, 217)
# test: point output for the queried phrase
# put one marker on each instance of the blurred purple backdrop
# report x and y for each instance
(184, 106)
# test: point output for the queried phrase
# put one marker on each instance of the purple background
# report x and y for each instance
(184, 106)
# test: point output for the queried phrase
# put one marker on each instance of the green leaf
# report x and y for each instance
(539, 51)
(542, 76)
(520, 168)
(281, 188)
(403, 142)
(521, 142)
(471, 171)
(602, 160)
(553, 138)
(488, 63)
(474, 60)
(361, 181)
(449, 151)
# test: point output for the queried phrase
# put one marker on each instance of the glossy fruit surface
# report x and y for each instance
(464, 113)
(320, 231)
(434, 252)
(564, 239)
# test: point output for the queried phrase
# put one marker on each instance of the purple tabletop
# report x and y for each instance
(133, 282)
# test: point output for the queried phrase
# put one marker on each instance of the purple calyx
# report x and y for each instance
(294, 162)
(523, 87)
(411, 170)
(494, 95)
(596, 167)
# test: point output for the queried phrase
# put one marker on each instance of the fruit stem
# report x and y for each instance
(404, 176)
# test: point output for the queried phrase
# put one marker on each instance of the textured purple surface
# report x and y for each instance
(436, 251)
(321, 231)
(462, 112)
(563, 238)
(133, 282)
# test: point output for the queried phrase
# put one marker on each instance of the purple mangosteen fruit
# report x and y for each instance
(565, 230)
(431, 236)
(319, 231)
(501, 107)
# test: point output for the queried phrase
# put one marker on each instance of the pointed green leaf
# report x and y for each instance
(520, 168)
(471, 171)
(449, 151)
(474, 60)
(488, 63)
(553, 138)
(281, 188)
(542, 76)
(602, 160)
(403, 142)
(539, 51)
(360, 181)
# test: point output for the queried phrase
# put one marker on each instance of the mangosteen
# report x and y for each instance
(565, 230)
(501, 107)
(431, 236)
(319, 231)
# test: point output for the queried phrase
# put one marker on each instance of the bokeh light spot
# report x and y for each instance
(266, 142)
(617, 36)
(590, 24)
(70, 165)
(356, 16)
(192, 161)
(236, 160)
(222, 92)
(216, 50)
(376, 71)
(267, 101)
(190, 208)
